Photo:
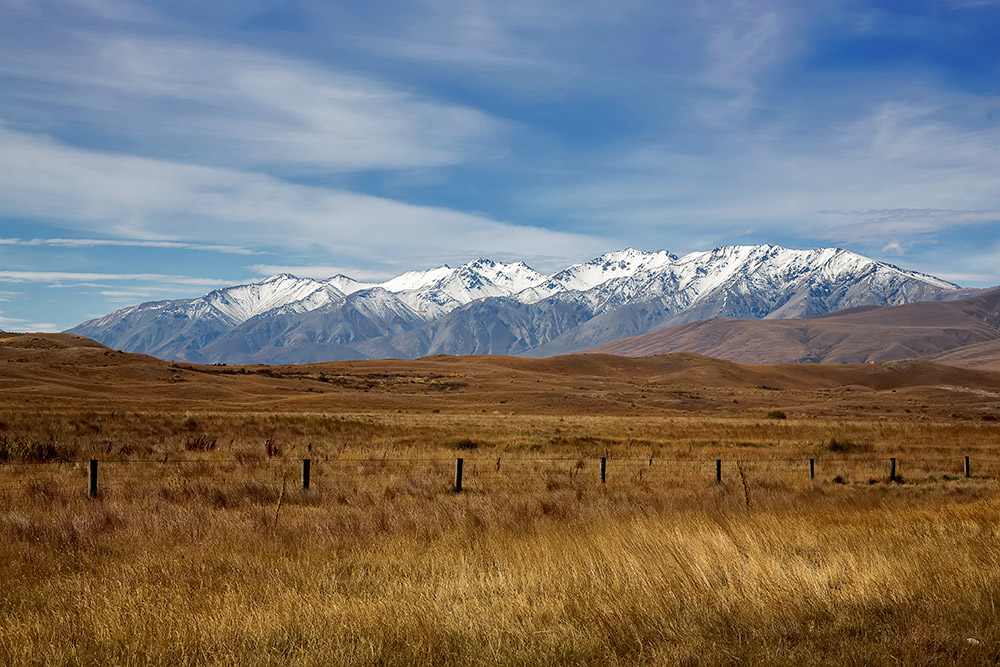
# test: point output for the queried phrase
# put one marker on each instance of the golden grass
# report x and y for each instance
(626, 574)
(194, 555)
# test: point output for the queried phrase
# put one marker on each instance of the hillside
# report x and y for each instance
(964, 332)
(63, 370)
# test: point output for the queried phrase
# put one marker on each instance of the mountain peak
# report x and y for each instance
(279, 277)
(487, 305)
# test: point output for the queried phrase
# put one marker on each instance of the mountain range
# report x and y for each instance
(489, 307)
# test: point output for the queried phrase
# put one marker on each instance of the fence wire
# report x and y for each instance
(181, 475)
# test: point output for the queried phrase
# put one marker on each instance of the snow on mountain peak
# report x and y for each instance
(242, 302)
(620, 293)
(588, 275)
(416, 279)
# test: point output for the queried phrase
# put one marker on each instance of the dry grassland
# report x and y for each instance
(203, 550)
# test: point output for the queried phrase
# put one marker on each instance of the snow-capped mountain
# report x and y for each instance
(505, 308)
(609, 266)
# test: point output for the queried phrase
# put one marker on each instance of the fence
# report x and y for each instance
(457, 473)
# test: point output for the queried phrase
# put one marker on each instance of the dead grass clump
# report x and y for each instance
(27, 450)
(846, 446)
(271, 448)
(200, 443)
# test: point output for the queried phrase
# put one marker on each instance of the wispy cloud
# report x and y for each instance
(21, 324)
(234, 106)
(913, 169)
(143, 198)
(744, 38)
(876, 225)
(119, 243)
(481, 34)
(68, 278)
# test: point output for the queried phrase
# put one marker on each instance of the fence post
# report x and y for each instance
(968, 469)
(718, 471)
(812, 468)
(92, 479)
(892, 469)
(306, 466)
(604, 470)
(458, 475)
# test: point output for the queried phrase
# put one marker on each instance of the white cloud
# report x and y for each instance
(894, 247)
(21, 324)
(923, 170)
(93, 243)
(744, 39)
(144, 198)
(74, 279)
(876, 225)
(235, 106)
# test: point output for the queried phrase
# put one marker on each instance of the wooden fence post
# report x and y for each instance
(968, 468)
(892, 469)
(306, 469)
(718, 471)
(458, 475)
(604, 470)
(812, 469)
(92, 479)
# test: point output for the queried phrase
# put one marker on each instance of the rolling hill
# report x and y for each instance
(965, 332)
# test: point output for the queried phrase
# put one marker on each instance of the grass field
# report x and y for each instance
(201, 548)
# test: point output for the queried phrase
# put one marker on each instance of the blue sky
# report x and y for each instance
(160, 149)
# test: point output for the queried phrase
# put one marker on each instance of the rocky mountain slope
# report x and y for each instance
(488, 307)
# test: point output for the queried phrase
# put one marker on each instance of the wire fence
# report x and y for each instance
(94, 477)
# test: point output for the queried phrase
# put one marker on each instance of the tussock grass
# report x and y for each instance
(610, 576)
(185, 559)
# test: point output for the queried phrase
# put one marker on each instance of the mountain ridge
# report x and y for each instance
(485, 306)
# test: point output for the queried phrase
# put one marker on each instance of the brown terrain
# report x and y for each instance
(62, 370)
(965, 332)
(201, 547)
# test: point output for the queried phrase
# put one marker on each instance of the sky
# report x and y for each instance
(155, 150)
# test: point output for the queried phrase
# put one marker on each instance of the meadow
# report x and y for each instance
(203, 549)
